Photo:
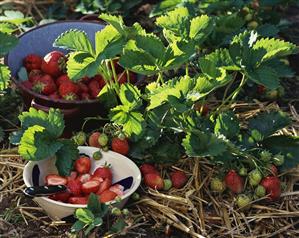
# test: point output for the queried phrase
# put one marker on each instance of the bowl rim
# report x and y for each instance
(69, 205)
(44, 97)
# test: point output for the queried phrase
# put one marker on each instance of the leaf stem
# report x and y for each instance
(114, 76)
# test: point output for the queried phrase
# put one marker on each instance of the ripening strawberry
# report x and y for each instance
(94, 139)
(217, 185)
(154, 181)
(178, 179)
(243, 201)
(148, 169)
(272, 186)
(54, 63)
(32, 62)
(120, 145)
(234, 181)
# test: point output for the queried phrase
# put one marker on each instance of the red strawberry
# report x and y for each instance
(117, 67)
(204, 109)
(93, 139)
(93, 177)
(122, 77)
(118, 189)
(85, 96)
(91, 186)
(78, 200)
(54, 96)
(103, 172)
(107, 196)
(82, 165)
(120, 146)
(133, 78)
(54, 63)
(69, 91)
(154, 181)
(83, 178)
(54, 179)
(27, 84)
(106, 184)
(94, 88)
(261, 89)
(72, 176)
(74, 187)
(272, 186)
(62, 79)
(34, 75)
(85, 79)
(83, 88)
(148, 169)
(100, 80)
(234, 181)
(44, 85)
(63, 197)
(32, 61)
(178, 179)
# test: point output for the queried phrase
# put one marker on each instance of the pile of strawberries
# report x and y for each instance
(47, 76)
(82, 182)
(153, 179)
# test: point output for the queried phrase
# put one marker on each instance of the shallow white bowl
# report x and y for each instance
(122, 167)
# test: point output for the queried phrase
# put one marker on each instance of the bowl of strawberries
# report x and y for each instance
(39, 71)
(113, 179)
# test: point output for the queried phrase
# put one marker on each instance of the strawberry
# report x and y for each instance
(91, 186)
(243, 201)
(32, 61)
(243, 171)
(167, 184)
(54, 96)
(83, 88)
(79, 138)
(118, 189)
(34, 75)
(27, 84)
(69, 91)
(94, 177)
(103, 139)
(78, 200)
(106, 184)
(107, 196)
(260, 191)
(120, 145)
(132, 78)
(83, 178)
(54, 179)
(72, 176)
(117, 66)
(265, 155)
(272, 186)
(97, 155)
(272, 169)
(178, 179)
(44, 85)
(278, 159)
(148, 169)
(62, 79)
(82, 165)
(85, 79)
(74, 187)
(202, 108)
(100, 80)
(103, 172)
(255, 177)
(123, 78)
(54, 63)
(261, 89)
(234, 181)
(93, 139)
(154, 181)
(63, 196)
(94, 88)
(217, 185)
(85, 96)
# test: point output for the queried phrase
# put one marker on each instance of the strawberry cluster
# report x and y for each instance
(153, 179)
(47, 76)
(82, 182)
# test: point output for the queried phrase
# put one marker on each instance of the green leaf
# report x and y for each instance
(97, 208)
(35, 144)
(130, 95)
(118, 226)
(4, 77)
(66, 156)
(116, 21)
(52, 122)
(163, 6)
(199, 144)
(74, 39)
(98, 221)
(286, 145)
(7, 27)
(89, 229)
(275, 47)
(201, 27)
(268, 123)
(78, 226)
(227, 124)
(84, 215)
(15, 17)
(7, 42)
(108, 97)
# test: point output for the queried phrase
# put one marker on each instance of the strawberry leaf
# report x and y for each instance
(4, 77)
(74, 40)
(36, 144)
(84, 215)
(130, 95)
(77, 226)
(7, 43)
(116, 21)
(66, 156)
(200, 28)
(97, 208)
(227, 124)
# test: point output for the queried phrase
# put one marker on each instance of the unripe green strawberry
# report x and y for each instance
(260, 191)
(135, 196)
(105, 148)
(248, 17)
(217, 185)
(255, 177)
(252, 25)
(125, 212)
(97, 155)
(243, 171)
(79, 138)
(243, 201)
(103, 139)
(116, 211)
(167, 184)
(265, 155)
(278, 159)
